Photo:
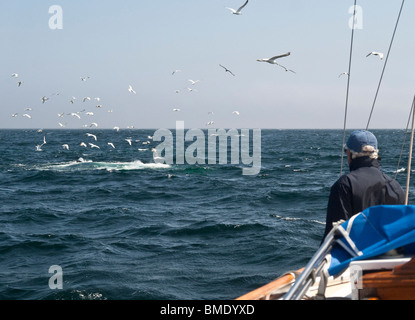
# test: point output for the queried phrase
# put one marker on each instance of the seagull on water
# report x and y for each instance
(227, 70)
(238, 12)
(130, 89)
(380, 54)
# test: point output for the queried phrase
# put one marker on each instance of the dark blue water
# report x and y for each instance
(122, 227)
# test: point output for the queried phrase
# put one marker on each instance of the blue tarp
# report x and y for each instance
(375, 231)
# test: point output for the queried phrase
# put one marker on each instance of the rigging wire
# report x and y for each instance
(384, 65)
(404, 139)
(348, 87)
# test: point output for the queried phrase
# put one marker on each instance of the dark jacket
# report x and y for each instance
(365, 186)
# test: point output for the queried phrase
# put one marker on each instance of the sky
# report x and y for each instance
(140, 43)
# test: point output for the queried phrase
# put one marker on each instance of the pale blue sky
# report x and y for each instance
(118, 43)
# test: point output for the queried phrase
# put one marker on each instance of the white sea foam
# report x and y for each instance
(109, 166)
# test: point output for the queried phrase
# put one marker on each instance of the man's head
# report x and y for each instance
(362, 143)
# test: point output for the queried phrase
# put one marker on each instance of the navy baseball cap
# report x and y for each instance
(360, 138)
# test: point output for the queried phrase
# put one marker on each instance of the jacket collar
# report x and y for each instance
(363, 162)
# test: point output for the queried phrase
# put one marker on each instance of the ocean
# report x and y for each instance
(115, 225)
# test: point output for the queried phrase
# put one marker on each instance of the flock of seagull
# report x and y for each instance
(273, 60)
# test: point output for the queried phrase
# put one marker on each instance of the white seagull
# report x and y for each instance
(176, 110)
(83, 144)
(85, 99)
(129, 141)
(76, 115)
(92, 135)
(238, 12)
(15, 75)
(44, 99)
(343, 73)
(193, 82)
(111, 144)
(272, 60)
(175, 72)
(236, 112)
(27, 116)
(65, 146)
(94, 145)
(130, 89)
(15, 114)
(380, 54)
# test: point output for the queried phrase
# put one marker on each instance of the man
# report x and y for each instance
(365, 185)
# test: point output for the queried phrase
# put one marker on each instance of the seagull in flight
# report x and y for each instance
(130, 89)
(44, 99)
(65, 146)
(92, 135)
(272, 60)
(343, 73)
(175, 72)
(193, 82)
(238, 12)
(15, 75)
(227, 70)
(236, 112)
(380, 54)
(176, 110)
(84, 78)
(94, 145)
(27, 116)
(111, 144)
